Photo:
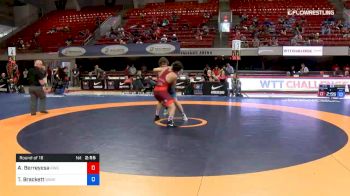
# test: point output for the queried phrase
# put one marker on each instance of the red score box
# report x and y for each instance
(93, 167)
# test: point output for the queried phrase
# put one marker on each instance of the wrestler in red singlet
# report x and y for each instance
(161, 92)
(166, 79)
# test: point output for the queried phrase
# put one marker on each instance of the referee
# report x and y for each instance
(36, 77)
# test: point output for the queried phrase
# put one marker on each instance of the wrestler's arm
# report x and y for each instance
(158, 69)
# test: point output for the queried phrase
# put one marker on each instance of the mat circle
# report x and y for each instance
(199, 122)
(137, 146)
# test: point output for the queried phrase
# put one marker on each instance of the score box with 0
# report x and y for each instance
(57, 170)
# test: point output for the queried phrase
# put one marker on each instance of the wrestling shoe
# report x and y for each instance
(184, 117)
(156, 118)
(170, 123)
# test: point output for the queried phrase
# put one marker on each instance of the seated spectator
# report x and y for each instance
(346, 34)
(292, 71)
(307, 41)
(244, 17)
(267, 22)
(66, 29)
(139, 41)
(37, 33)
(174, 17)
(303, 20)
(255, 21)
(273, 41)
(132, 70)
(281, 20)
(83, 34)
(205, 29)
(339, 25)
(69, 41)
(303, 70)
(52, 30)
(164, 39)
(237, 35)
(346, 70)
(256, 42)
(336, 70)
(165, 22)
(142, 15)
(325, 29)
(174, 38)
(283, 32)
(60, 81)
(299, 37)
(20, 44)
(138, 82)
(216, 72)
(198, 35)
(98, 21)
(4, 83)
(206, 15)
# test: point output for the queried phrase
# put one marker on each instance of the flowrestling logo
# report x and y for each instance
(307, 12)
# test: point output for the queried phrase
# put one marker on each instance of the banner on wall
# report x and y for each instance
(302, 50)
(115, 50)
(289, 84)
(310, 12)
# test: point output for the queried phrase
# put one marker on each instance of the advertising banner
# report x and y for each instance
(116, 50)
(289, 84)
(214, 88)
(302, 50)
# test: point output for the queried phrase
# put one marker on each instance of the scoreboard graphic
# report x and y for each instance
(331, 91)
(57, 170)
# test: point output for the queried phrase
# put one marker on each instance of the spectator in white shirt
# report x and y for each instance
(304, 70)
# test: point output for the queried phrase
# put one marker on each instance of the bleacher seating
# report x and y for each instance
(347, 4)
(77, 21)
(274, 9)
(188, 13)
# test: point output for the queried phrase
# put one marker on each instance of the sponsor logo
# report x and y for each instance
(217, 92)
(180, 83)
(121, 83)
(113, 78)
(73, 51)
(216, 87)
(124, 87)
(194, 52)
(160, 48)
(302, 50)
(114, 50)
(263, 51)
(97, 83)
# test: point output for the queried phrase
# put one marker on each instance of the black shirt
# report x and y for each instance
(34, 75)
(3, 80)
